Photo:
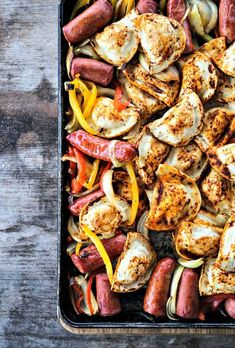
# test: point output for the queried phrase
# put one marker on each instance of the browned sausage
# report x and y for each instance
(88, 22)
(99, 148)
(187, 304)
(230, 307)
(108, 301)
(158, 287)
(76, 207)
(146, 6)
(89, 258)
(227, 19)
(92, 70)
(176, 10)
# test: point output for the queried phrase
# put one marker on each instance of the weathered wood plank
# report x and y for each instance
(28, 193)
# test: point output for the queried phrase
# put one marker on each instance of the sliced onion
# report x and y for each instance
(80, 280)
(87, 192)
(68, 158)
(185, 15)
(86, 50)
(84, 42)
(71, 248)
(149, 194)
(141, 225)
(191, 263)
(69, 59)
(115, 200)
(170, 309)
(171, 303)
(107, 235)
(74, 230)
(209, 14)
(107, 92)
(112, 153)
(196, 21)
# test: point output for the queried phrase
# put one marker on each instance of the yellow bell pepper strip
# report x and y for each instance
(71, 87)
(77, 183)
(78, 247)
(103, 253)
(91, 102)
(135, 192)
(130, 5)
(84, 92)
(93, 175)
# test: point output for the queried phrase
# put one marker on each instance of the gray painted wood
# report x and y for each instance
(28, 174)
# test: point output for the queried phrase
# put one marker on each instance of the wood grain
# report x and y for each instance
(28, 175)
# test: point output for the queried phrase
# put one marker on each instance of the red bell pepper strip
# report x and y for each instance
(72, 165)
(88, 293)
(118, 104)
(76, 183)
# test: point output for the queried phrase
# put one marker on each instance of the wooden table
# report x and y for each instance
(28, 193)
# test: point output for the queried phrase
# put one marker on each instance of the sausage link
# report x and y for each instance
(99, 148)
(158, 287)
(92, 70)
(147, 6)
(108, 301)
(176, 10)
(187, 304)
(227, 19)
(230, 307)
(89, 258)
(88, 22)
(76, 207)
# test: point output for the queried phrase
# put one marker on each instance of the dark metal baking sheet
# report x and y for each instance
(132, 319)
